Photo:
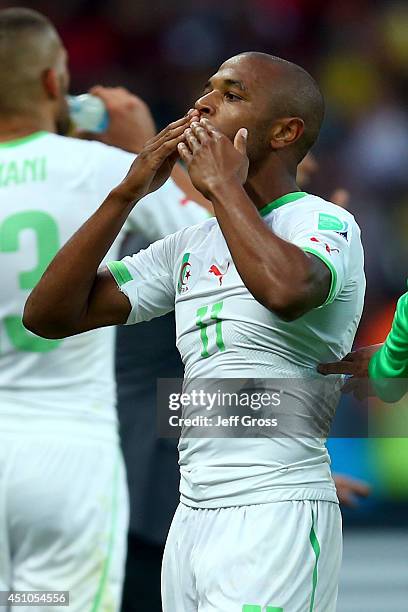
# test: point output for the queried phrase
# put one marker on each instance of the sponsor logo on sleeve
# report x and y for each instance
(331, 223)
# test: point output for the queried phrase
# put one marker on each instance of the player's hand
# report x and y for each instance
(131, 123)
(349, 490)
(211, 158)
(154, 164)
(354, 364)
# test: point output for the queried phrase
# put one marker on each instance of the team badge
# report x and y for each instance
(188, 273)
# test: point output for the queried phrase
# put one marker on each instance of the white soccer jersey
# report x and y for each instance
(49, 186)
(223, 332)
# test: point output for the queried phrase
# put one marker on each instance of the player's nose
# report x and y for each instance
(206, 104)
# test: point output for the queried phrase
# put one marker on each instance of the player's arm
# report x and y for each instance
(72, 296)
(386, 364)
(391, 361)
(280, 275)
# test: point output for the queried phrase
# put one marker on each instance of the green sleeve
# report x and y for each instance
(388, 368)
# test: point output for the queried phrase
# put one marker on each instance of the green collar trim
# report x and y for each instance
(19, 141)
(289, 197)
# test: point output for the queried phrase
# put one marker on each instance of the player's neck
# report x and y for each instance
(12, 128)
(270, 181)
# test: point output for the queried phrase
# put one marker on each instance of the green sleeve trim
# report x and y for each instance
(333, 284)
(119, 272)
(19, 141)
(316, 549)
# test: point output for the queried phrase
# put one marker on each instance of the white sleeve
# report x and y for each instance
(112, 165)
(328, 237)
(164, 212)
(147, 280)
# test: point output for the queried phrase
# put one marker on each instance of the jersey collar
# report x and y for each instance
(289, 197)
(19, 141)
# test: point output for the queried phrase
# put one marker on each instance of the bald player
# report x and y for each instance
(63, 494)
(258, 526)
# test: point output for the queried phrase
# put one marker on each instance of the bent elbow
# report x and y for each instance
(287, 313)
(36, 325)
(29, 321)
(287, 307)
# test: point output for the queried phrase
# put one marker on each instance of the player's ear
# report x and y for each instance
(286, 131)
(51, 83)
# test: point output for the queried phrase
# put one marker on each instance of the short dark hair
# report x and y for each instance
(307, 102)
(298, 96)
(24, 55)
(20, 18)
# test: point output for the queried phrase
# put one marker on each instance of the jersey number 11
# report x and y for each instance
(203, 321)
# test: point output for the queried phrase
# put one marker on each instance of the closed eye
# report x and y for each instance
(232, 97)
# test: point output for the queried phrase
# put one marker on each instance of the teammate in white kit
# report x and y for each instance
(63, 496)
(268, 289)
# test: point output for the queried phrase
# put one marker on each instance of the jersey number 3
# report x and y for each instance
(46, 233)
(203, 321)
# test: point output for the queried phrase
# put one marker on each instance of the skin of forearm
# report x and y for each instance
(60, 300)
(277, 273)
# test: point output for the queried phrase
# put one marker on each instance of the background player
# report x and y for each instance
(302, 263)
(63, 515)
(385, 365)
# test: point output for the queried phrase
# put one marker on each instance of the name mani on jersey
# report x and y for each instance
(18, 172)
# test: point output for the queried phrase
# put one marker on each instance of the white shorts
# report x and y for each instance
(275, 557)
(63, 519)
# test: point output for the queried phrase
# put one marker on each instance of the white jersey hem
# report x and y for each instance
(277, 494)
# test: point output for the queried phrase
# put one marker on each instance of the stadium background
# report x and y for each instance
(358, 52)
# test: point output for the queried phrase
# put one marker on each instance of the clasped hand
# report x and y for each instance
(211, 158)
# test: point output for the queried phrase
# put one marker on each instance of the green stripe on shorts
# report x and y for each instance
(316, 549)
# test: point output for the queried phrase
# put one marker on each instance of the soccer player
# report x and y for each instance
(268, 288)
(385, 365)
(63, 517)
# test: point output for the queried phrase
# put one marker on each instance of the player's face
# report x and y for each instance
(237, 97)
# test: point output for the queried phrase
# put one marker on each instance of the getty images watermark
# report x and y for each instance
(241, 408)
(208, 400)
(279, 408)
(220, 409)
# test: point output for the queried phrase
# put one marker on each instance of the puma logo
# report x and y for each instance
(217, 272)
